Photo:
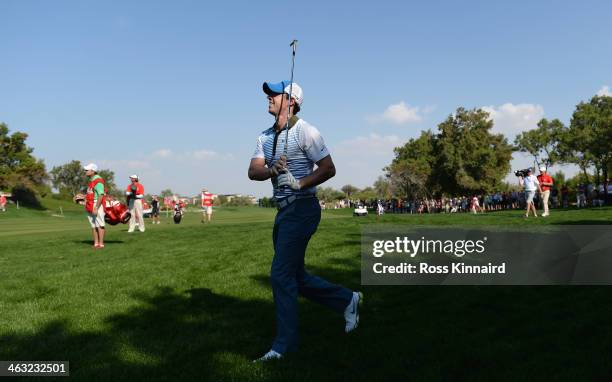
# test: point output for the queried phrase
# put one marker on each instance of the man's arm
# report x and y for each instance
(537, 182)
(325, 170)
(258, 169)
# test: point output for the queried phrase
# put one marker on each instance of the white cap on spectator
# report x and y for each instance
(92, 167)
(542, 168)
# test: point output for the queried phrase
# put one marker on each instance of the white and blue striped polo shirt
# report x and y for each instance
(305, 148)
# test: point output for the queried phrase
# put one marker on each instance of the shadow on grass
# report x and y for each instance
(89, 242)
(192, 335)
(456, 332)
(583, 222)
(416, 333)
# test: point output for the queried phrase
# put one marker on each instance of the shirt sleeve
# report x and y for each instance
(312, 143)
(99, 189)
(259, 153)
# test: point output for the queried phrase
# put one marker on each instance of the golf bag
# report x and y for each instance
(178, 214)
(116, 212)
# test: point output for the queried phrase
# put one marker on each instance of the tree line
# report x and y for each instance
(461, 157)
(26, 178)
(586, 142)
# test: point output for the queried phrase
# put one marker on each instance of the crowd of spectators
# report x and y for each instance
(582, 196)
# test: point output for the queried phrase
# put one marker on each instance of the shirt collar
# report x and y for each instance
(292, 121)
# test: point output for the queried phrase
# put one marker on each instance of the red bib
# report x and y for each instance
(90, 196)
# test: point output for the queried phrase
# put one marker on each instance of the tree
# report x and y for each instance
(267, 202)
(70, 179)
(542, 143)
(349, 190)
(468, 157)
(166, 193)
(589, 137)
(382, 187)
(559, 179)
(410, 172)
(464, 157)
(573, 148)
(20, 171)
(367, 193)
(111, 187)
(328, 194)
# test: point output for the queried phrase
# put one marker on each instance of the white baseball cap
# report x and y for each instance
(92, 167)
(285, 87)
(134, 176)
(542, 168)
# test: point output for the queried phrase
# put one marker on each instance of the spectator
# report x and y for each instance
(531, 185)
(565, 196)
(546, 182)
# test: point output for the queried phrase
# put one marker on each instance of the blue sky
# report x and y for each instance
(172, 90)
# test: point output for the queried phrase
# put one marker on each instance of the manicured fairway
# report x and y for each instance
(193, 302)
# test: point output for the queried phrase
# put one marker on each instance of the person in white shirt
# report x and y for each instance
(531, 184)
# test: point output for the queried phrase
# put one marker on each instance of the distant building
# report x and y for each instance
(229, 197)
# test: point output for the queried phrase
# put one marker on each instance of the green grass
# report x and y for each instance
(193, 302)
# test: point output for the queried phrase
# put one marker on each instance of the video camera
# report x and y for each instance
(522, 173)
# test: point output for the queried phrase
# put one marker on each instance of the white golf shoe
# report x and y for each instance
(269, 356)
(351, 313)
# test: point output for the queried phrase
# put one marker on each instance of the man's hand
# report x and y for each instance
(279, 167)
(287, 179)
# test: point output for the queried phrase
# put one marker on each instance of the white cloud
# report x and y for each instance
(510, 119)
(162, 153)
(185, 172)
(604, 91)
(202, 154)
(360, 160)
(373, 144)
(399, 114)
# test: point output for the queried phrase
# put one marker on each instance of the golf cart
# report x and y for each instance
(360, 211)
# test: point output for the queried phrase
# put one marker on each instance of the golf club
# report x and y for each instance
(293, 46)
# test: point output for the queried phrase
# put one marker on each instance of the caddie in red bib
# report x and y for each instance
(135, 195)
(94, 204)
(207, 202)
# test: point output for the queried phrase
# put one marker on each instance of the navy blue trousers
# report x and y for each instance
(293, 228)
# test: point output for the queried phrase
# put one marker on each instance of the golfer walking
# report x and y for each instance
(134, 194)
(299, 213)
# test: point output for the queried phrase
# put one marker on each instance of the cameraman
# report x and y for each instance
(546, 182)
(531, 184)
